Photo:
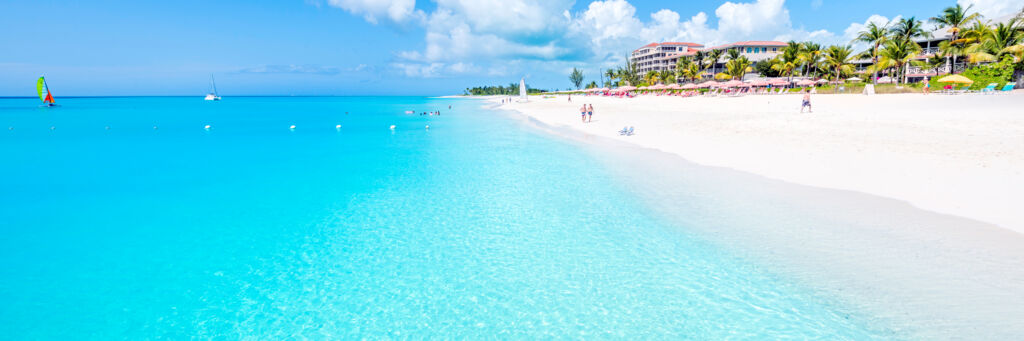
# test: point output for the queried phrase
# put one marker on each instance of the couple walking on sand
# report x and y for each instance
(587, 113)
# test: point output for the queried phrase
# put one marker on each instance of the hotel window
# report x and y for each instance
(775, 49)
(748, 50)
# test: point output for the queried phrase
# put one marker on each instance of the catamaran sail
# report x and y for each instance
(212, 96)
(42, 88)
(522, 89)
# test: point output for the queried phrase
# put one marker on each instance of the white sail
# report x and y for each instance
(522, 89)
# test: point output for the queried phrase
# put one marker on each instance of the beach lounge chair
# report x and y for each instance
(626, 131)
(1008, 87)
(965, 89)
(990, 88)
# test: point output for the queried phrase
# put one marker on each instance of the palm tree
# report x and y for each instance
(700, 57)
(692, 71)
(876, 36)
(953, 18)
(737, 67)
(838, 58)
(896, 55)
(908, 29)
(713, 57)
(783, 66)
(997, 41)
(667, 76)
(810, 52)
(651, 77)
(732, 54)
(611, 75)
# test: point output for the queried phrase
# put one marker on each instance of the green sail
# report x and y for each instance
(41, 87)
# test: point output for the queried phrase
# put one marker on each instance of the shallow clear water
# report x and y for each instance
(479, 226)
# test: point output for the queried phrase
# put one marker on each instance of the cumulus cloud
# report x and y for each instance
(994, 9)
(854, 29)
(460, 33)
(373, 10)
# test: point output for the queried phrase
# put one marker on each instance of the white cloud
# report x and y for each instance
(372, 10)
(994, 9)
(854, 29)
(816, 4)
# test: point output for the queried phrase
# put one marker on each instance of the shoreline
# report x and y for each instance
(956, 155)
(918, 273)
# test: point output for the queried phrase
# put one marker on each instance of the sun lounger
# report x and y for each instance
(990, 88)
(1008, 87)
(626, 131)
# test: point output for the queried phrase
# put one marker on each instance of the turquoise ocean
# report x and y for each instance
(124, 218)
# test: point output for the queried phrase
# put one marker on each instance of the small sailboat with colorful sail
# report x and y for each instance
(44, 93)
(212, 96)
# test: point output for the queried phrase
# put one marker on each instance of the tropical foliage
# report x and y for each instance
(511, 89)
(576, 77)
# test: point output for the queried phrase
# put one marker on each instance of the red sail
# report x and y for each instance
(49, 97)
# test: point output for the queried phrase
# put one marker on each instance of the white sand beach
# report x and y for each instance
(961, 155)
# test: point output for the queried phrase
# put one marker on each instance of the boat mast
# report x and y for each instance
(214, 84)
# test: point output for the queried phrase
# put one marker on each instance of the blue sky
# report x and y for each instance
(367, 47)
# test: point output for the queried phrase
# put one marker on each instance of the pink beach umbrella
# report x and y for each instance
(708, 84)
(657, 87)
(732, 84)
(759, 83)
(805, 82)
(778, 82)
(673, 86)
(689, 86)
(627, 88)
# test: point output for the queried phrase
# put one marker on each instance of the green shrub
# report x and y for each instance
(999, 73)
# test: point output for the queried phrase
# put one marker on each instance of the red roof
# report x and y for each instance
(674, 43)
(750, 43)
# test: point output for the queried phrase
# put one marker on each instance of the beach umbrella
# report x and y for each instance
(673, 86)
(854, 79)
(885, 80)
(731, 84)
(605, 89)
(657, 87)
(626, 88)
(778, 82)
(822, 81)
(805, 82)
(759, 83)
(955, 79)
(708, 84)
(689, 86)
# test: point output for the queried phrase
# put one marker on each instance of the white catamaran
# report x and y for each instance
(212, 96)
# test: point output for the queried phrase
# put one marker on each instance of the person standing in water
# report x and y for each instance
(590, 113)
(806, 103)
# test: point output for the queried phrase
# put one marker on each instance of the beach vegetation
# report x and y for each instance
(875, 36)
(997, 41)
(712, 58)
(837, 59)
(509, 90)
(954, 18)
(737, 68)
(895, 57)
(667, 76)
(999, 73)
(576, 77)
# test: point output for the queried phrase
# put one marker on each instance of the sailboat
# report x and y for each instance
(41, 88)
(212, 96)
(522, 91)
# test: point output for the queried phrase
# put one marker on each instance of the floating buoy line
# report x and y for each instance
(209, 127)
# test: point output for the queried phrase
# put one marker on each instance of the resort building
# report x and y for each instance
(661, 56)
(664, 56)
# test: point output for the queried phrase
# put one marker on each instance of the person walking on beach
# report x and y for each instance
(806, 103)
(590, 113)
(927, 86)
(583, 112)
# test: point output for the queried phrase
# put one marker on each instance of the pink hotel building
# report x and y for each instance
(663, 56)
